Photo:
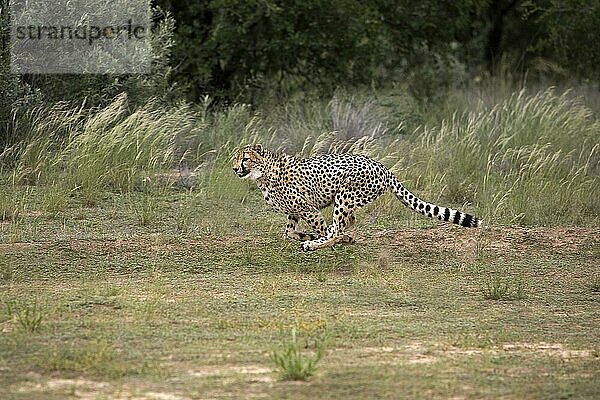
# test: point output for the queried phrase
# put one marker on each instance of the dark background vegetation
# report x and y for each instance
(243, 50)
(236, 47)
(219, 56)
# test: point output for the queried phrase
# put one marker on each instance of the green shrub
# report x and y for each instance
(294, 364)
(29, 315)
(506, 289)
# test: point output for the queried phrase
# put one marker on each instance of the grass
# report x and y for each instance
(156, 290)
(99, 149)
(295, 365)
(96, 358)
(502, 289)
(595, 284)
(10, 206)
(151, 309)
(28, 316)
(530, 158)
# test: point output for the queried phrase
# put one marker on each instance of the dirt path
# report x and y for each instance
(502, 239)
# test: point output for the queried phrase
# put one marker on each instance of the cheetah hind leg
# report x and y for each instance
(346, 238)
(326, 241)
(347, 223)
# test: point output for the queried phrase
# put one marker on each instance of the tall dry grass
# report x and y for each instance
(530, 159)
(527, 158)
(112, 148)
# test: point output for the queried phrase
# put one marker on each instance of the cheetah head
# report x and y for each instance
(248, 162)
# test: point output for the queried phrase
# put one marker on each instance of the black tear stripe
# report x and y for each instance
(467, 221)
(456, 217)
(446, 214)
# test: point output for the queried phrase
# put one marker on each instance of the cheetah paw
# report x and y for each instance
(308, 246)
(348, 239)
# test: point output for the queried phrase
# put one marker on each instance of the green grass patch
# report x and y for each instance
(496, 288)
(294, 364)
(95, 358)
(154, 309)
(29, 316)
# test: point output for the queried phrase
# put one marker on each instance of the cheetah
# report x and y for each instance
(300, 188)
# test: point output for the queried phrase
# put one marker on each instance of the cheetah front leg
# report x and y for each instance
(313, 217)
(343, 217)
(293, 233)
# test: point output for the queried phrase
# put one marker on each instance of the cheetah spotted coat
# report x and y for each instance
(300, 188)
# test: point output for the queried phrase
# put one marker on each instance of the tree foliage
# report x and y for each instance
(569, 38)
(226, 45)
(231, 47)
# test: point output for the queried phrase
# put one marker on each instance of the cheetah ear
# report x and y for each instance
(259, 149)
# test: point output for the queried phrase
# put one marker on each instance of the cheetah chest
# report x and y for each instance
(285, 198)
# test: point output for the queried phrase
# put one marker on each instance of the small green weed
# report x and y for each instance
(55, 199)
(8, 312)
(321, 276)
(184, 218)
(10, 206)
(502, 289)
(295, 365)
(7, 272)
(146, 211)
(247, 257)
(29, 316)
(151, 310)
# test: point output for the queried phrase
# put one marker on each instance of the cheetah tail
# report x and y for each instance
(432, 210)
